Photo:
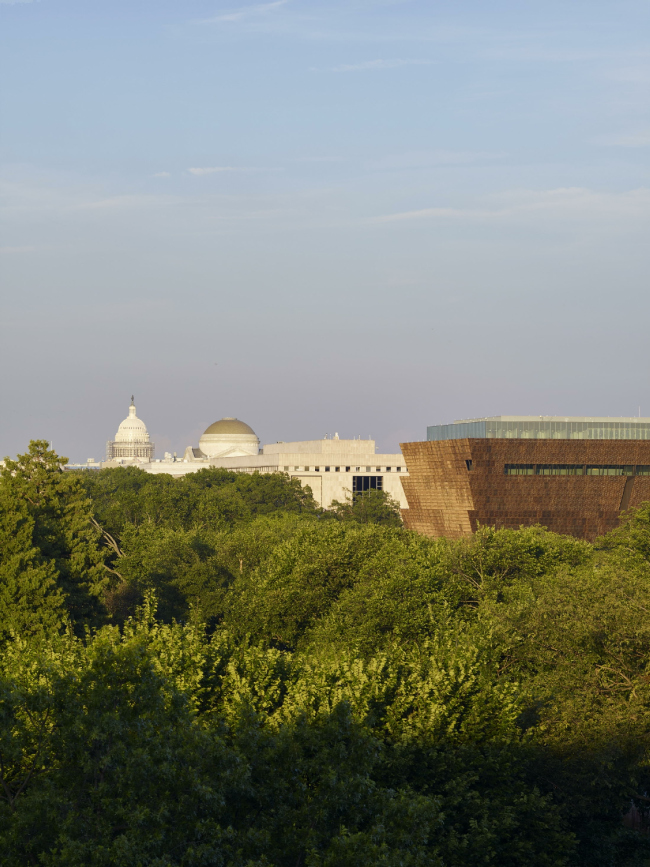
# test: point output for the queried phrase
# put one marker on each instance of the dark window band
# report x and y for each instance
(576, 470)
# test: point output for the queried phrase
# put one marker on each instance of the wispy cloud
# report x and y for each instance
(245, 12)
(624, 140)
(431, 159)
(125, 202)
(320, 159)
(426, 213)
(370, 65)
(633, 74)
(163, 175)
(213, 170)
(564, 202)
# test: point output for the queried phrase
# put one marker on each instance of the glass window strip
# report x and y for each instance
(576, 470)
(542, 429)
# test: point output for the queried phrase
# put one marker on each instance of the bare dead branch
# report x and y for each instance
(110, 541)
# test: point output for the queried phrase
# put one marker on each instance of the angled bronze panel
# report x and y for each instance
(448, 498)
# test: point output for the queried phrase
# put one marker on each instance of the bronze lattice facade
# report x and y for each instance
(577, 487)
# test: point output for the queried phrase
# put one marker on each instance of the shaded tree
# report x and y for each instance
(369, 507)
(52, 507)
(30, 597)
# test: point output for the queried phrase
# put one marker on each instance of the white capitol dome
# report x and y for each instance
(229, 437)
(132, 429)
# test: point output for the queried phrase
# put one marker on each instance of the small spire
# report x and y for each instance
(132, 400)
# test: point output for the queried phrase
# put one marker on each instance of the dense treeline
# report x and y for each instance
(214, 671)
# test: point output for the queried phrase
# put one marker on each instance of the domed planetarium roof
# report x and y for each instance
(230, 426)
(132, 429)
(229, 437)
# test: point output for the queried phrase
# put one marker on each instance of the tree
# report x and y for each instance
(437, 726)
(400, 592)
(577, 639)
(488, 562)
(213, 498)
(369, 507)
(262, 493)
(102, 762)
(183, 567)
(316, 690)
(632, 537)
(30, 598)
(60, 523)
(300, 580)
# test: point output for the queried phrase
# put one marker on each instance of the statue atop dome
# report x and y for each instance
(131, 441)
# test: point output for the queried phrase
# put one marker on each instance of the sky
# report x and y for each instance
(356, 216)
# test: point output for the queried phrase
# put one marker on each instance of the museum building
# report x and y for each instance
(572, 475)
(333, 468)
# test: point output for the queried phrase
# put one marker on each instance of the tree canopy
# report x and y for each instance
(214, 671)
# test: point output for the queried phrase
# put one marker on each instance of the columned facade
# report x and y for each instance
(131, 441)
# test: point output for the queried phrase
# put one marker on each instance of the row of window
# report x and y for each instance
(576, 470)
(343, 469)
(360, 484)
(253, 469)
(588, 429)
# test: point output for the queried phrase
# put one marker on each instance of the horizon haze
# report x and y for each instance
(361, 217)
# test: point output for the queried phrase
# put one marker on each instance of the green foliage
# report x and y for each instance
(181, 566)
(492, 560)
(287, 687)
(262, 493)
(157, 747)
(300, 581)
(370, 507)
(192, 570)
(103, 763)
(581, 640)
(400, 593)
(30, 598)
(632, 537)
(168, 534)
(214, 498)
(244, 548)
(51, 550)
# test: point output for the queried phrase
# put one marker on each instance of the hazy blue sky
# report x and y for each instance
(349, 216)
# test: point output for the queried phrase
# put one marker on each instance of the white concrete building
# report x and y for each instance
(333, 468)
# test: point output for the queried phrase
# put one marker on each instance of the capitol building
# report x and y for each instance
(131, 441)
(333, 468)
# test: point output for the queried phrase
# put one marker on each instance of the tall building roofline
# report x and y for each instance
(575, 418)
(544, 427)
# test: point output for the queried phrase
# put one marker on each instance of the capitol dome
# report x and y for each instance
(131, 441)
(132, 429)
(229, 437)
